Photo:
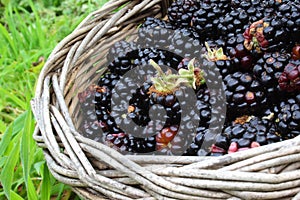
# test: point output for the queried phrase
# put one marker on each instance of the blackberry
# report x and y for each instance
(268, 70)
(155, 33)
(206, 19)
(113, 134)
(255, 9)
(121, 49)
(232, 22)
(242, 58)
(243, 94)
(109, 80)
(210, 117)
(289, 80)
(89, 125)
(185, 43)
(288, 120)
(162, 57)
(213, 57)
(142, 145)
(203, 106)
(253, 132)
(139, 105)
(267, 35)
(289, 13)
(181, 11)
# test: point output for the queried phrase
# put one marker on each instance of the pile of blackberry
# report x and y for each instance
(246, 50)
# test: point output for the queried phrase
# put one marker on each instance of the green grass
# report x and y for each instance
(29, 30)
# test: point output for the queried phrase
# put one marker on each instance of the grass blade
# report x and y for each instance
(15, 196)
(7, 173)
(27, 153)
(8, 38)
(14, 98)
(46, 183)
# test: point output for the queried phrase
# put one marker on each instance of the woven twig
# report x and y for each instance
(95, 171)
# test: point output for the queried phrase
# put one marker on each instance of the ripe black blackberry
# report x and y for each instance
(181, 11)
(121, 49)
(216, 62)
(211, 115)
(108, 80)
(268, 70)
(139, 105)
(243, 94)
(206, 19)
(232, 22)
(142, 56)
(268, 35)
(203, 106)
(185, 43)
(242, 58)
(89, 126)
(288, 120)
(289, 13)
(252, 132)
(155, 33)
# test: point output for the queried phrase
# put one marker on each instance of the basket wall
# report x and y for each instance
(96, 171)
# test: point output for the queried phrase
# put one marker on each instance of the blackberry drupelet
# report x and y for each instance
(296, 52)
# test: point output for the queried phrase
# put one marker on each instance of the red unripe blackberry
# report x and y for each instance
(289, 80)
(165, 136)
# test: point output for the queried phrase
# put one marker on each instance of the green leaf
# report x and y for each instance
(2, 161)
(2, 127)
(5, 140)
(8, 38)
(7, 173)
(46, 183)
(15, 196)
(27, 153)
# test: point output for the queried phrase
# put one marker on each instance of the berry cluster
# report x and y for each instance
(246, 50)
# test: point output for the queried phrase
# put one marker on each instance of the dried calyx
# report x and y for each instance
(168, 83)
(254, 37)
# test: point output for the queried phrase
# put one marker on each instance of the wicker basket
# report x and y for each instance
(96, 171)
